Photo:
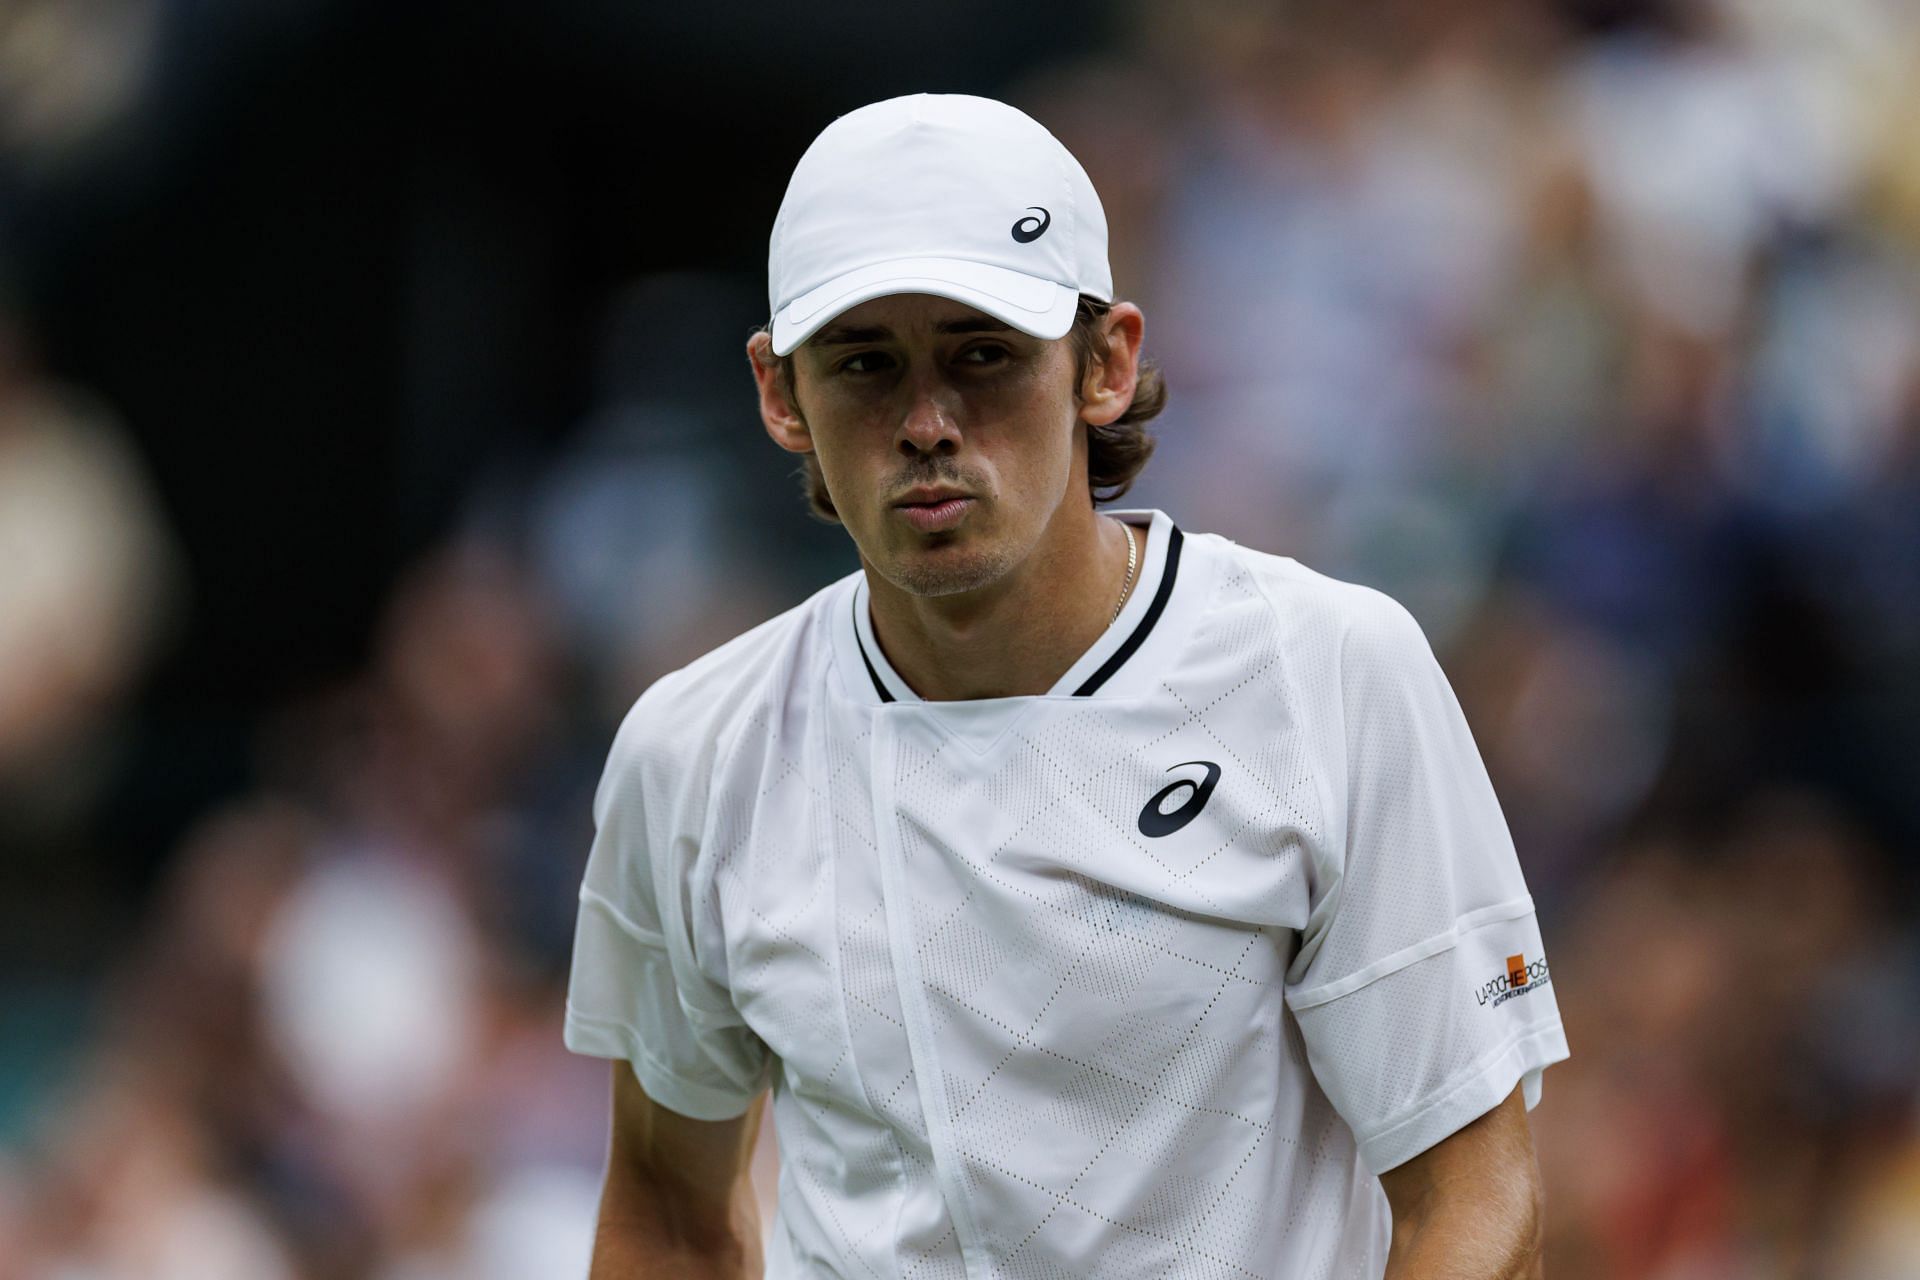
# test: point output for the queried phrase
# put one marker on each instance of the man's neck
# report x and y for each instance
(1019, 635)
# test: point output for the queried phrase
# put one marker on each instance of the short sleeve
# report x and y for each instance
(1421, 987)
(635, 991)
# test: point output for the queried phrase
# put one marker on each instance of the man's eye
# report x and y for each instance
(866, 362)
(985, 354)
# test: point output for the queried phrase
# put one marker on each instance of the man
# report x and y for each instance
(1097, 899)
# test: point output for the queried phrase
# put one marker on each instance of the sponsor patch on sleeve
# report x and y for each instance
(1522, 976)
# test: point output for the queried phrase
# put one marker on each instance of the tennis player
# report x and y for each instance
(1094, 898)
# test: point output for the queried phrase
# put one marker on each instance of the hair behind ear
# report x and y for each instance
(1118, 451)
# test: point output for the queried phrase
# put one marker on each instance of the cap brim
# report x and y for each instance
(1034, 306)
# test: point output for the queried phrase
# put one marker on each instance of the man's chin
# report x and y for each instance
(944, 566)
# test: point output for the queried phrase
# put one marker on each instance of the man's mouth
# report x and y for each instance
(934, 510)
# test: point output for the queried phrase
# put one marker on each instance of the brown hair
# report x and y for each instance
(1116, 452)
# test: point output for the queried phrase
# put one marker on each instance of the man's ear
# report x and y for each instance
(778, 413)
(1107, 390)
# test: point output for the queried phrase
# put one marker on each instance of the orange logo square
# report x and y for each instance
(1516, 971)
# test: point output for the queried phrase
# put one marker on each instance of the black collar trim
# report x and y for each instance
(1113, 663)
(872, 675)
(1154, 610)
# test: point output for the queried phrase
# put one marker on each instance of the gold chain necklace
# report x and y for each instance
(1133, 560)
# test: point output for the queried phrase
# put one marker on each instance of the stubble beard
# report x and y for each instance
(947, 572)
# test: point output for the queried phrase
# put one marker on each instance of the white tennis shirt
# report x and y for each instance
(1147, 976)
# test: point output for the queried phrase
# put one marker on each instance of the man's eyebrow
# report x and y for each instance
(850, 335)
(974, 324)
(847, 335)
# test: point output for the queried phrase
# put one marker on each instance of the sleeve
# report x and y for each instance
(636, 991)
(1421, 987)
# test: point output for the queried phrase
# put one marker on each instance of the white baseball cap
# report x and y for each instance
(956, 196)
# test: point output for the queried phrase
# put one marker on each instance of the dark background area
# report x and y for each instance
(267, 269)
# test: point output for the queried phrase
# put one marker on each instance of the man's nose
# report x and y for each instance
(929, 422)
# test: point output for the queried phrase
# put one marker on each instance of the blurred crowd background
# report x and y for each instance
(374, 425)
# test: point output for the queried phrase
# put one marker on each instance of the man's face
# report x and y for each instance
(947, 439)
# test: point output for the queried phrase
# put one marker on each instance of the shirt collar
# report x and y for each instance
(869, 677)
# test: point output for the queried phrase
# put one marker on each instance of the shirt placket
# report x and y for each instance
(891, 724)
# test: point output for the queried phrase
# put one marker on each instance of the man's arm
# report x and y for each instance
(1469, 1207)
(676, 1205)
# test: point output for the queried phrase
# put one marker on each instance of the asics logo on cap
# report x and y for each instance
(1029, 229)
(1155, 821)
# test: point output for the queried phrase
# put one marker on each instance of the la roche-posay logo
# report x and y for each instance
(1522, 976)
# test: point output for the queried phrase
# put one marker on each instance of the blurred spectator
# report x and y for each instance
(88, 578)
(1750, 1078)
(130, 1193)
(651, 535)
(68, 67)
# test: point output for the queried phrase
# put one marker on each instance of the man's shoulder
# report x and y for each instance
(685, 716)
(750, 658)
(1311, 606)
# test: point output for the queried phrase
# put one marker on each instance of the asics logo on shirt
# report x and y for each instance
(1158, 820)
(1029, 229)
